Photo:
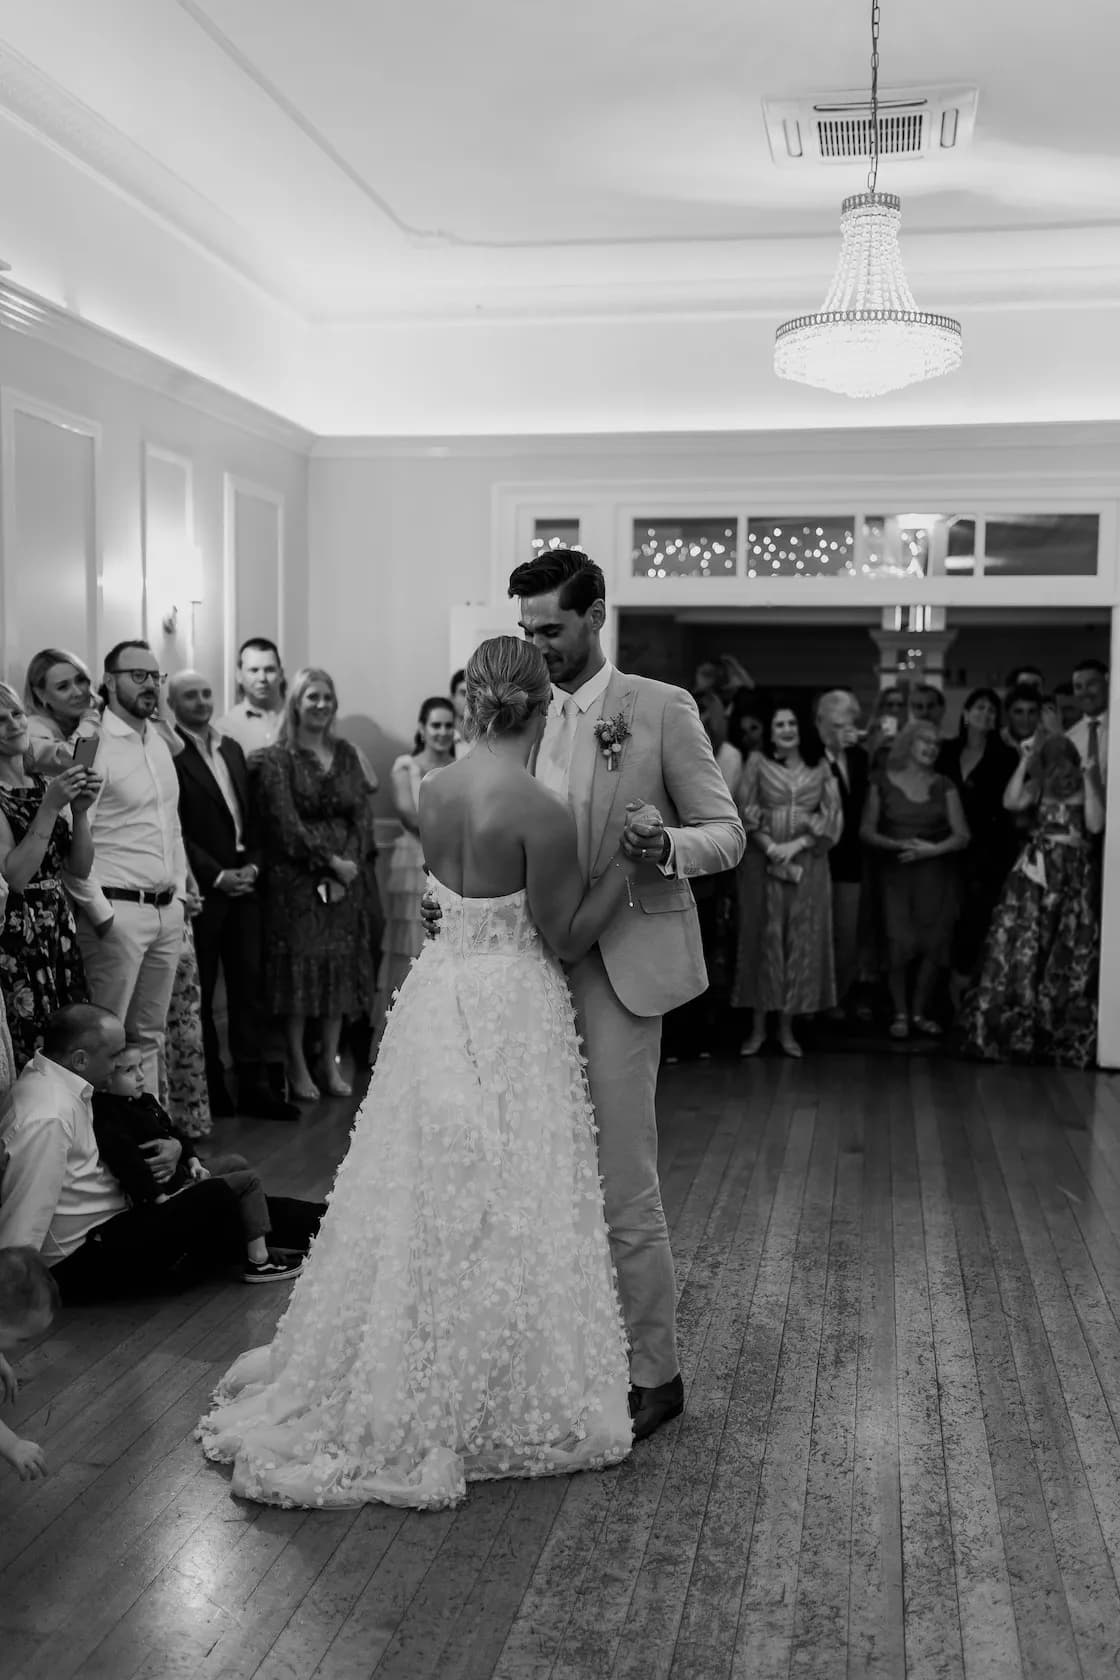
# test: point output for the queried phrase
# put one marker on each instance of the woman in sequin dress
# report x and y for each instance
(915, 825)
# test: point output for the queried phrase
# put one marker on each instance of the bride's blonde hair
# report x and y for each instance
(507, 681)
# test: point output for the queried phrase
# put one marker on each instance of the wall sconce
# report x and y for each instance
(187, 587)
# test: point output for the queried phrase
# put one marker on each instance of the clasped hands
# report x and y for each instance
(644, 836)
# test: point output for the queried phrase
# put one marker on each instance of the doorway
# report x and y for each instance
(800, 653)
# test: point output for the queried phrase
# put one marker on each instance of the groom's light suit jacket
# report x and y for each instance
(652, 953)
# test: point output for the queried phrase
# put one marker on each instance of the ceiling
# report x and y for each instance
(189, 172)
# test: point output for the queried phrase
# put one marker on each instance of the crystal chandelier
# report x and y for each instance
(870, 337)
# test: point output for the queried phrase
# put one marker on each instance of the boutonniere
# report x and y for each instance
(612, 734)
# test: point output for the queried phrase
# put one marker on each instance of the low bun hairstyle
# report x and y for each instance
(507, 681)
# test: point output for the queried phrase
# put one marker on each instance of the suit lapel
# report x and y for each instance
(235, 763)
(196, 765)
(620, 699)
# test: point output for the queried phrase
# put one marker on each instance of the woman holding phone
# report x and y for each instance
(63, 718)
(40, 963)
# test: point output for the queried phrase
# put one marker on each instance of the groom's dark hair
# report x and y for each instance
(578, 579)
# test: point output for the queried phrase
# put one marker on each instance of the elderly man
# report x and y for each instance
(217, 820)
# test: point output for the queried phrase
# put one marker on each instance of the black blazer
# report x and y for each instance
(208, 832)
(120, 1126)
(845, 860)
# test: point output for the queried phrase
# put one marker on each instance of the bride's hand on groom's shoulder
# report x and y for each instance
(431, 915)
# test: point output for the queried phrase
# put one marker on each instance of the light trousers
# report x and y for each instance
(131, 970)
(623, 1052)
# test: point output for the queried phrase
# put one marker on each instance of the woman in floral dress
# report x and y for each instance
(791, 811)
(1036, 999)
(40, 964)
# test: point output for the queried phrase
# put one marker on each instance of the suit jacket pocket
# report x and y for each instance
(657, 901)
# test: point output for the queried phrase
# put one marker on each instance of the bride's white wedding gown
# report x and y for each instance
(457, 1318)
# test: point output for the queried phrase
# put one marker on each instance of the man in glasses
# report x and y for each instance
(131, 929)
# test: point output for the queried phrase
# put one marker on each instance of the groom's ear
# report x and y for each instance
(597, 614)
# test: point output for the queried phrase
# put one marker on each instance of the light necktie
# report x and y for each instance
(554, 761)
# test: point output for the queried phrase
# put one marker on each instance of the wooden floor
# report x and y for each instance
(900, 1281)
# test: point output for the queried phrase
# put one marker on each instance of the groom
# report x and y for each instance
(610, 742)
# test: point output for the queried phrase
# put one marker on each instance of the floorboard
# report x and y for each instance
(899, 1308)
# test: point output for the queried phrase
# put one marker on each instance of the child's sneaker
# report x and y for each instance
(278, 1268)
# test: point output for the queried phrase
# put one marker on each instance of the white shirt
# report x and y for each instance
(55, 1189)
(208, 741)
(137, 839)
(251, 728)
(1079, 735)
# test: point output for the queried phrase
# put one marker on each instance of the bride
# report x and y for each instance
(457, 1318)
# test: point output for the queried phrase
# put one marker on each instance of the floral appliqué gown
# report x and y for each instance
(457, 1319)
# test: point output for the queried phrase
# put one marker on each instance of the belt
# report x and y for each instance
(141, 895)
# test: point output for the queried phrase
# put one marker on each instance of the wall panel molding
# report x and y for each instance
(253, 568)
(50, 529)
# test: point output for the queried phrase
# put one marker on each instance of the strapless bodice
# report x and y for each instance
(485, 927)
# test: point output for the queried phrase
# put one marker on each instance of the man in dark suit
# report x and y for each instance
(217, 823)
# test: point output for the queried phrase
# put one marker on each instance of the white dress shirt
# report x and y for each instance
(1079, 735)
(137, 839)
(208, 741)
(251, 728)
(55, 1189)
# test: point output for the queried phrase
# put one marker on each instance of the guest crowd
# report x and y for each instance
(893, 872)
(154, 862)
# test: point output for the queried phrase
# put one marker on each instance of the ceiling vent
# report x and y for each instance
(836, 128)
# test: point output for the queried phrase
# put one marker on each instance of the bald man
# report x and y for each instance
(217, 820)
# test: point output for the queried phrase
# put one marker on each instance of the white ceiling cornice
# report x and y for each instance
(93, 344)
(882, 442)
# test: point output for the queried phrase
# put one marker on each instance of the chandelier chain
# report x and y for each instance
(873, 172)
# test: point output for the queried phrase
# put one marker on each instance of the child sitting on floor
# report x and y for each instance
(28, 1303)
(125, 1116)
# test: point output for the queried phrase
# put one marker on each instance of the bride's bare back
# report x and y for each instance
(489, 829)
(473, 824)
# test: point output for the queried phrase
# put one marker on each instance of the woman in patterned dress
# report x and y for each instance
(1036, 999)
(791, 811)
(313, 803)
(40, 964)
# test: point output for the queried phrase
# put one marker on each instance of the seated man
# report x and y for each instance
(59, 1198)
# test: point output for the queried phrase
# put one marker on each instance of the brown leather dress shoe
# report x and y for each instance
(651, 1407)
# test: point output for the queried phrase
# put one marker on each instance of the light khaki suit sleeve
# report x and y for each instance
(711, 838)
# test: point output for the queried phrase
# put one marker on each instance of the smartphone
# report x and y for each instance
(85, 750)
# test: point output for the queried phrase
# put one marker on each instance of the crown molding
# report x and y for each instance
(882, 442)
(29, 316)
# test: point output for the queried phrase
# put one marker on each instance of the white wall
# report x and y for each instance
(402, 531)
(164, 473)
